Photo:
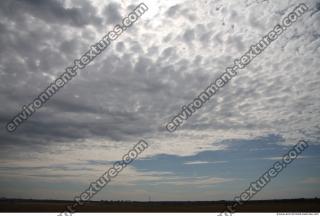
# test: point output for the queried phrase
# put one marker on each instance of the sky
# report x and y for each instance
(141, 81)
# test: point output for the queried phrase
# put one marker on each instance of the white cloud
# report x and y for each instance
(203, 162)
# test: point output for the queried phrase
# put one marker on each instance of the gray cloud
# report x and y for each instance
(51, 11)
(144, 77)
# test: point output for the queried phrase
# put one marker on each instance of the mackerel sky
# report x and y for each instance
(141, 81)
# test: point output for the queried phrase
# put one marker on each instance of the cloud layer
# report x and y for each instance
(129, 92)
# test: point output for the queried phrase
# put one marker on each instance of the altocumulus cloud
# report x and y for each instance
(140, 82)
